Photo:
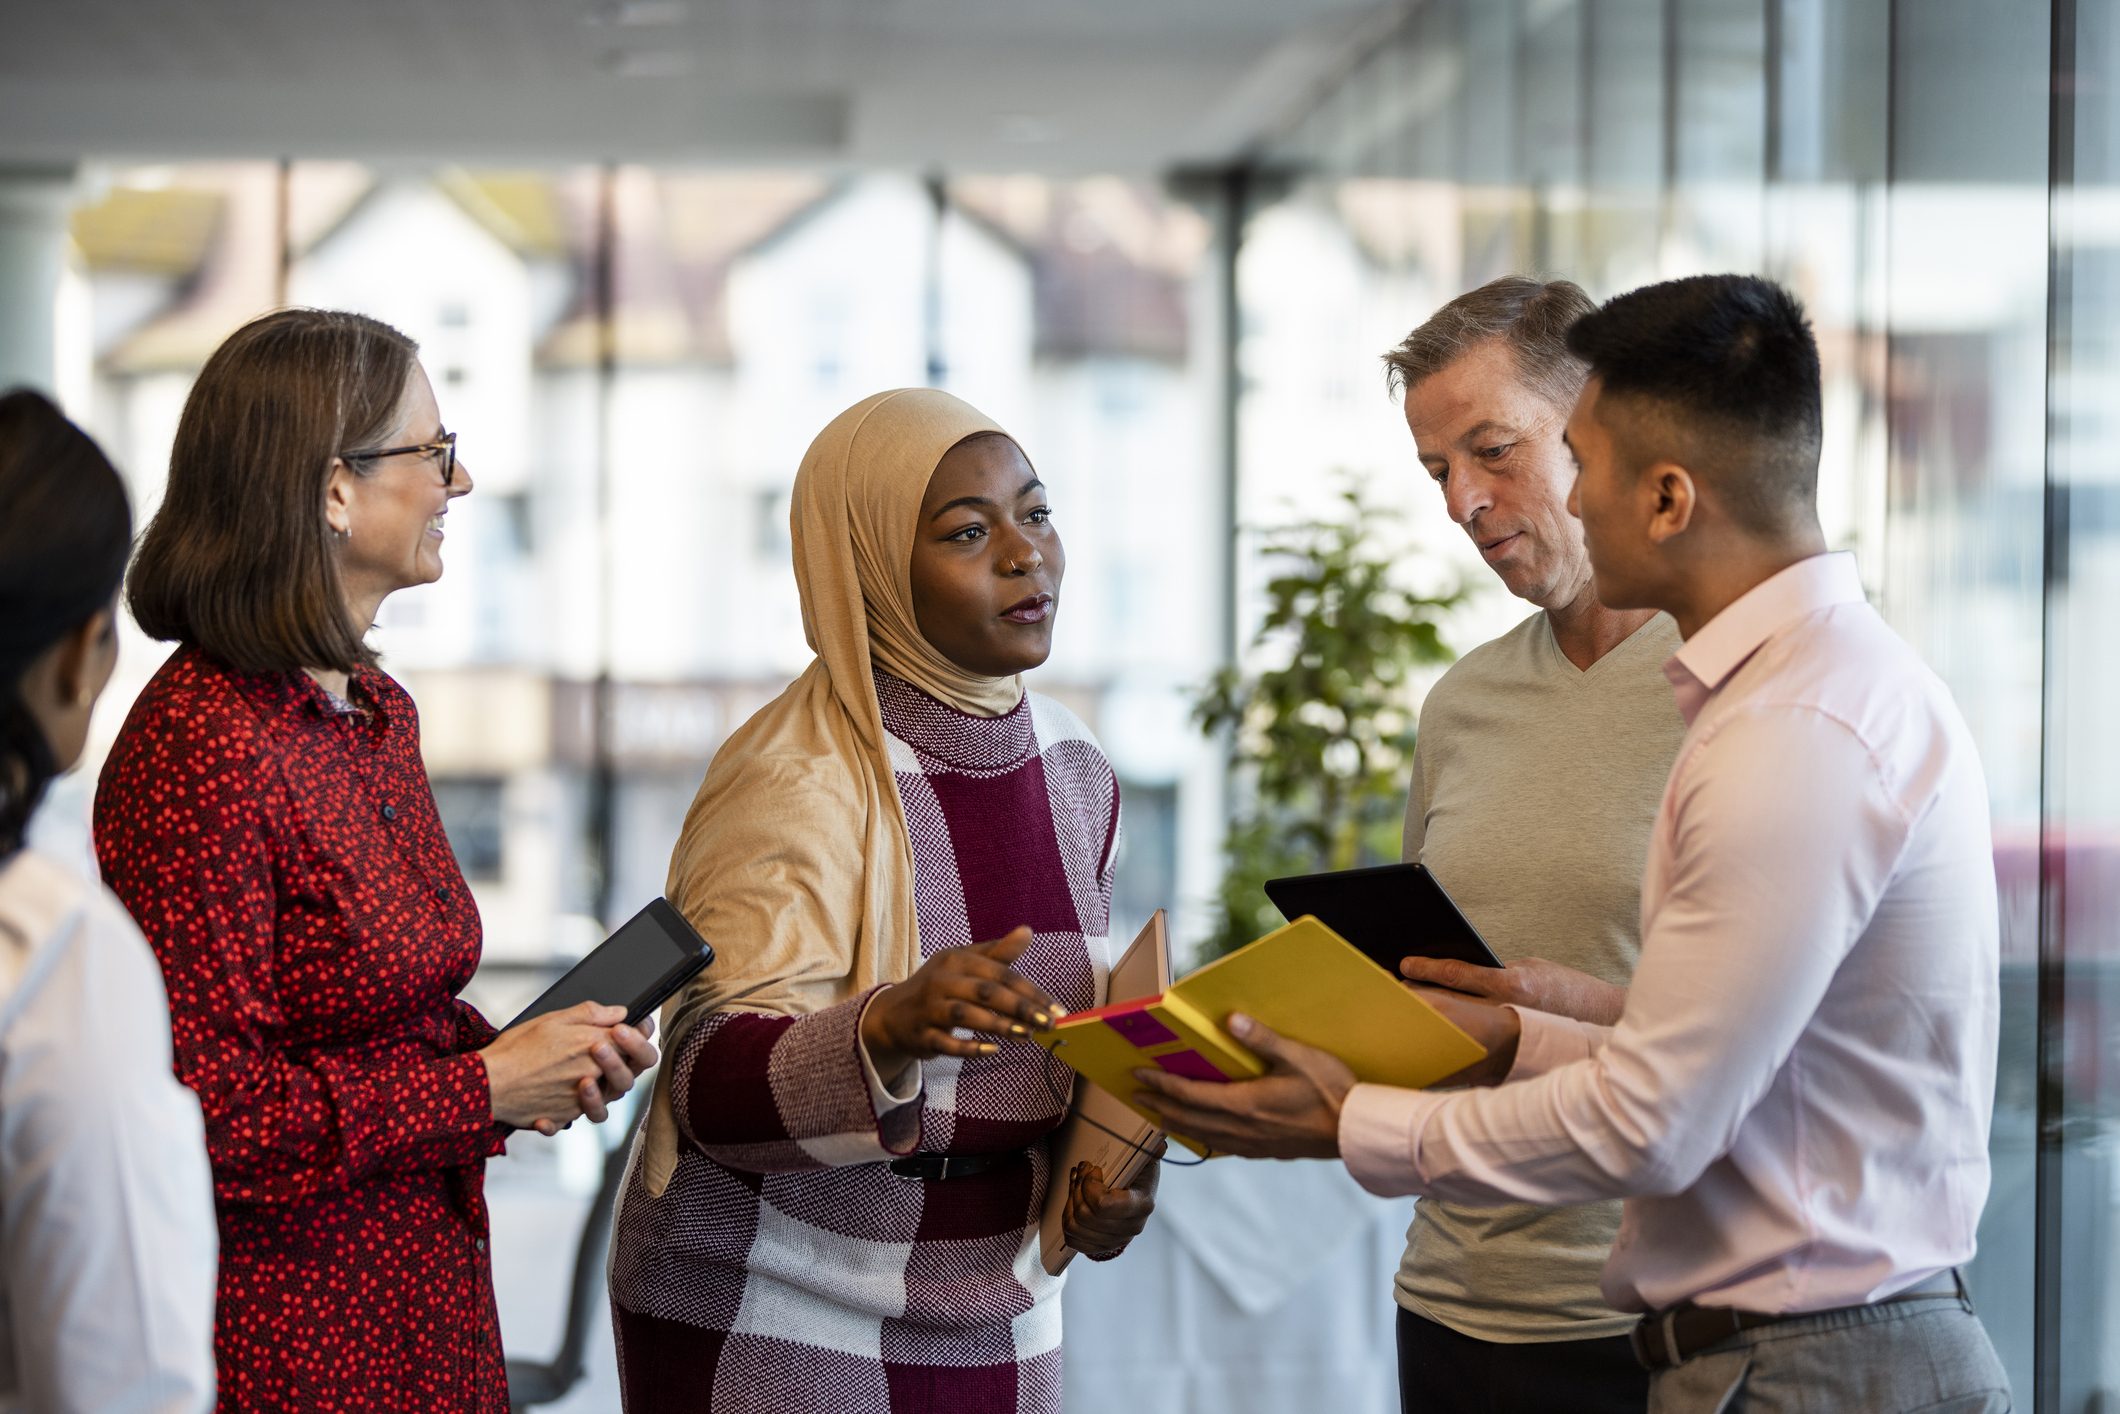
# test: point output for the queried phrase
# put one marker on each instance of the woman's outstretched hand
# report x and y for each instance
(972, 988)
(565, 1064)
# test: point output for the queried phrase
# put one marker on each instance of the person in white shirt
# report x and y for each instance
(107, 1237)
(1795, 1098)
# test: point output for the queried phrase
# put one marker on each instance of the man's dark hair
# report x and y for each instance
(1531, 317)
(1728, 370)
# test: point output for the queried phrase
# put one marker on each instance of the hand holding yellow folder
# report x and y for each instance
(1305, 982)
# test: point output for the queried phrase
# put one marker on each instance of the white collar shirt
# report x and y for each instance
(1795, 1102)
(107, 1233)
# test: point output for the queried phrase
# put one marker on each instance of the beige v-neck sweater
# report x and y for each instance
(1534, 786)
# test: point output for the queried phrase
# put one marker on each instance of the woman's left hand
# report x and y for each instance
(1100, 1219)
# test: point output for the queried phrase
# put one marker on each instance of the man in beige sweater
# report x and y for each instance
(1551, 743)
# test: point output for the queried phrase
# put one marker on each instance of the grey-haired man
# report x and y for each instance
(1550, 744)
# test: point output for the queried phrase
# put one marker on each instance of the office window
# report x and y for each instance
(473, 813)
(1892, 164)
(2079, 848)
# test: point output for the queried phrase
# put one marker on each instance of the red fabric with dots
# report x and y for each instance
(287, 863)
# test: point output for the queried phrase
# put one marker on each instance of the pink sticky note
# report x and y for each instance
(1190, 1064)
(1140, 1028)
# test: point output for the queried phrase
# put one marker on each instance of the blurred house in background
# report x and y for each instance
(630, 518)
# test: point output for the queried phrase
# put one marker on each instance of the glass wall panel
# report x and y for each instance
(1718, 137)
(1552, 154)
(1825, 232)
(1626, 122)
(636, 359)
(167, 262)
(1966, 264)
(1889, 162)
(2081, 838)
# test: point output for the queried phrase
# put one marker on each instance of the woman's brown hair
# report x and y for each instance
(239, 559)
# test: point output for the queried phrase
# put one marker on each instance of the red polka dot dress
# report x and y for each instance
(284, 857)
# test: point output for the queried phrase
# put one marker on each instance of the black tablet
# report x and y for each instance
(638, 967)
(1390, 912)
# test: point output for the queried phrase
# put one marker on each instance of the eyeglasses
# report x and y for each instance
(443, 446)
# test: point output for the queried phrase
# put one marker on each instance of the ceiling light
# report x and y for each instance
(648, 63)
(1026, 128)
(638, 13)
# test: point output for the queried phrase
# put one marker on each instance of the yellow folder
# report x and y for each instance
(1305, 982)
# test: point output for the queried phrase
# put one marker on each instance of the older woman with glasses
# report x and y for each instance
(266, 818)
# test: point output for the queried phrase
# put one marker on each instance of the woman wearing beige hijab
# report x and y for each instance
(905, 863)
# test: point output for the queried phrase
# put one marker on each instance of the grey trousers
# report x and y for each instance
(1930, 1356)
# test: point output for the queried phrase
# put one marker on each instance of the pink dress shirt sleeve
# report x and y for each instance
(1549, 1042)
(1778, 836)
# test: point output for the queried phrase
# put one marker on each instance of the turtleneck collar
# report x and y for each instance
(952, 737)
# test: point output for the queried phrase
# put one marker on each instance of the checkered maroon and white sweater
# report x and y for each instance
(785, 1268)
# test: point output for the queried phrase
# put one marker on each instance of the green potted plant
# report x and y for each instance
(1321, 737)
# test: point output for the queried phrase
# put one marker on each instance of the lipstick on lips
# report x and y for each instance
(1036, 609)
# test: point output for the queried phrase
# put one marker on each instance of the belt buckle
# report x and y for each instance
(1655, 1347)
(922, 1167)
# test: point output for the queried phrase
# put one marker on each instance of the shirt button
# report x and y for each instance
(480, 1244)
(390, 812)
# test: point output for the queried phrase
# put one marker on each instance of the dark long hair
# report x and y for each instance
(239, 559)
(65, 528)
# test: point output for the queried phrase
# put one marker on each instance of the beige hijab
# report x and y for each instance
(794, 862)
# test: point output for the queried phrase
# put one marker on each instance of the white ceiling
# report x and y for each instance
(1135, 86)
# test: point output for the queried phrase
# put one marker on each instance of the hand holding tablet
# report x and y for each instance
(584, 1041)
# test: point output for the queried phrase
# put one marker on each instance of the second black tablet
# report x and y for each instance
(1390, 912)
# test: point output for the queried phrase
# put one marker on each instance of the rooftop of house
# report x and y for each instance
(1109, 260)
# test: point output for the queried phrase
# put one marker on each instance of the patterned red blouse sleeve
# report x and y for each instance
(473, 1032)
(284, 1122)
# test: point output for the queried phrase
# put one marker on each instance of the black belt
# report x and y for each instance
(1662, 1339)
(938, 1168)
